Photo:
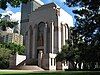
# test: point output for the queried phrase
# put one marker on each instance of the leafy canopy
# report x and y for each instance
(4, 58)
(87, 26)
(13, 3)
(7, 23)
(87, 23)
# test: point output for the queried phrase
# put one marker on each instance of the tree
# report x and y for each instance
(7, 23)
(4, 58)
(4, 24)
(13, 3)
(76, 50)
(87, 26)
(0, 16)
(7, 49)
(14, 48)
(69, 52)
(87, 19)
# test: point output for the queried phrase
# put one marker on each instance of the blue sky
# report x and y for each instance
(59, 2)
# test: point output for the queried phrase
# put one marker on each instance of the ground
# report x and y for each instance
(30, 72)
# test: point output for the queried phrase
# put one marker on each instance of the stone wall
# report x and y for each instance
(16, 60)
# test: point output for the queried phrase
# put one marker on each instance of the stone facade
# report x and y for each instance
(10, 37)
(45, 33)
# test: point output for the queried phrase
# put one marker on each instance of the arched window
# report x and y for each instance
(40, 34)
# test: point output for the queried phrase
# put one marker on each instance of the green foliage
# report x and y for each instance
(13, 3)
(4, 24)
(7, 23)
(14, 48)
(61, 56)
(87, 20)
(76, 50)
(86, 33)
(4, 58)
(7, 49)
(67, 52)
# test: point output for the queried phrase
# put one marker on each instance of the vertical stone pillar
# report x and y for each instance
(55, 39)
(40, 55)
(33, 52)
(63, 34)
(12, 61)
(96, 65)
(45, 38)
(52, 37)
(27, 45)
(67, 32)
(59, 38)
(34, 42)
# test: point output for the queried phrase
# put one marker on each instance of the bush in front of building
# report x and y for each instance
(4, 58)
(6, 50)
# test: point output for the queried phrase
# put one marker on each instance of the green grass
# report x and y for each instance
(51, 73)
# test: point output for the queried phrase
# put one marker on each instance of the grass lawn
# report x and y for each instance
(49, 73)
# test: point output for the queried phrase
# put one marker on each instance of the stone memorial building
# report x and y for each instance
(45, 28)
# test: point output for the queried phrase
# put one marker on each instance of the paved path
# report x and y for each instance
(20, 71)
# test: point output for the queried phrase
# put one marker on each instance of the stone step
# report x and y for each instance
(27, 67)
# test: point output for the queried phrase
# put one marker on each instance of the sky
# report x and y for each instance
(61, 4)
(16, 11)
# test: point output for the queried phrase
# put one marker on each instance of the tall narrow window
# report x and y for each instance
(51, 62)
(54, 62)
(40, 37)
(65, 32)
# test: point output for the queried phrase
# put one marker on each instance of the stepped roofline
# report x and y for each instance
(53, 4)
